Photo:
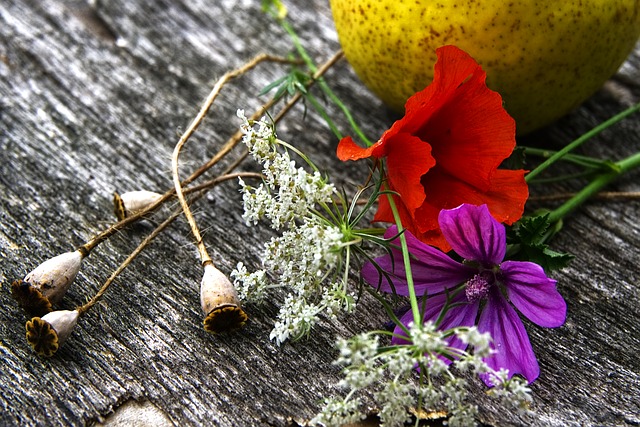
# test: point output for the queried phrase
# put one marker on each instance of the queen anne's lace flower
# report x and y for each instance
(305, 257)
(389, 372)
(288, 192)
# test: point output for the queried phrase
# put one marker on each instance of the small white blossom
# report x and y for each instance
(255, 202)
(427, 339)
(456, 391)
(250, 286)
(431, 396)
(338, 412)
(513, 392)
(295, 320)
(357, 350)
(479, 341)
(362, 376)
(401, 361)
(336, 300)
(305, 258)
(288, 192)
(463, 416)
(259, 140)
(396, 396)
(435, 364)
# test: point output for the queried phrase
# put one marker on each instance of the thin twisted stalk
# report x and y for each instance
(201, 191)
(224, 150)
(201, 188)
(202, 249)
(232, 142)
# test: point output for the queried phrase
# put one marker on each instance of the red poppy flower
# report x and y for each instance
(446, 151)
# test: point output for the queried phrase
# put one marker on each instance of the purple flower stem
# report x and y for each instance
(417, 320)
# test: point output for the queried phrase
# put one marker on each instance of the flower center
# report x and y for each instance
(478, 286)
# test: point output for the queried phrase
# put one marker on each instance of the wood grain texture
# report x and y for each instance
(92, 99)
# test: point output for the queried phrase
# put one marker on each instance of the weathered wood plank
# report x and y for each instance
(92, 99)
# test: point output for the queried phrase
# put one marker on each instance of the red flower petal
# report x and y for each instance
(349, 150)
(385, 214)
(408, 159)
(468, 133)
(505, 198)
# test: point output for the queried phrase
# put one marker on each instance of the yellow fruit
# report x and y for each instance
(545, 57)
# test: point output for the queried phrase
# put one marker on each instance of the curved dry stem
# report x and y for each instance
(233, 141)
(200, 191)
(202, 249)
(237, 137)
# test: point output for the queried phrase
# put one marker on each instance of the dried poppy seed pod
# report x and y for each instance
(48, 333)
(220, 302)
(47, 284)
(132, 202)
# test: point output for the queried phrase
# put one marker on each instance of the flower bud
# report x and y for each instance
(47, 284)
(220, 302)
(48, 333)
(132, 202)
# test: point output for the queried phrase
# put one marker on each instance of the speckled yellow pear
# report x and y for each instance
(544, 56)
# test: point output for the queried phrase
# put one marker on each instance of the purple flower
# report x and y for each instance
(482, 288)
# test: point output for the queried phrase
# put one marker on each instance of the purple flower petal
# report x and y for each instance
(474, 234)
(432, 270)
(510, 339)
(533, 293)
(460, 315)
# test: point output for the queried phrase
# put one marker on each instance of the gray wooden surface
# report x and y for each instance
(92, 99)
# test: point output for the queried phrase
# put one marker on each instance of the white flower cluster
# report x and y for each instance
(307, 256)
(514, 392)
(398, 387)
(288, 192)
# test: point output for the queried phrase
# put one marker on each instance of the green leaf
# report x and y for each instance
(528, 242)
(548, 259)
(532, 230)
(290, 84)
(273, 85)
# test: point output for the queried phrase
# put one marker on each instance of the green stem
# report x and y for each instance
(413, 300)
(584, 161)
(303, 156)
(594, 186)
(581, 140)
(323, 113)
(345, 277)
(370, 231)
(563, 178)
(322, 84)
